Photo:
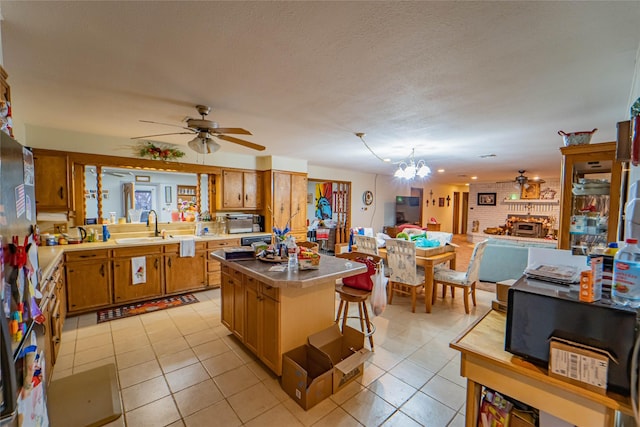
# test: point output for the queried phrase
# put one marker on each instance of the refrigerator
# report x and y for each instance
(22, 351)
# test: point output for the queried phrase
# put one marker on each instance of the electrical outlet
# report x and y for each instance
(60, 228)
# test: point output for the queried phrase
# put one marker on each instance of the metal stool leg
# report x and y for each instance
(369, 329)
(340, 307)
(346, 314)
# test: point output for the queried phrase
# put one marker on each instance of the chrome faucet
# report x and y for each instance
(156, 233)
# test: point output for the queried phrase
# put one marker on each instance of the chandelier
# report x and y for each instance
(410, 169)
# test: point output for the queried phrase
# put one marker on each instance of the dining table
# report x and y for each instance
(428, 258)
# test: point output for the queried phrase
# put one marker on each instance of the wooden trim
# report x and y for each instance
(131, 163)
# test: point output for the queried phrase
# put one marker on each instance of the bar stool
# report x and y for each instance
(358, 296)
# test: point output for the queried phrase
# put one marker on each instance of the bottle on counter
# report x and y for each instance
(625, 289)
(292, 252)
(612, 248)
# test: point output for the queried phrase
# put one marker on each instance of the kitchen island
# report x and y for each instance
(272, 312)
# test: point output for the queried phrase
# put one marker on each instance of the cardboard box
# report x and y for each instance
(519, 418)
(579, 364)
(306, 380)
(343, 350)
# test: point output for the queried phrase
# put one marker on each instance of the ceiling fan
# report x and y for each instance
(522, 181)
(204, 131)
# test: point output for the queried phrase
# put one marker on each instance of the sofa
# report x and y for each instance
(507, 259)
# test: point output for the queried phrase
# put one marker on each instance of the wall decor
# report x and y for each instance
(531, 192)
(158, 152)
(441, 201)
(486, 199)
(143, 178)
(448, 200)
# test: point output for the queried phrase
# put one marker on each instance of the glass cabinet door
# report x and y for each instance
(590, 198)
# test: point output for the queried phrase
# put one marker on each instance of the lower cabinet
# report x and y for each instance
(88, 280)
(184, 273)
(146, 282)
(213, 267)
(251, 310)
(53, 309)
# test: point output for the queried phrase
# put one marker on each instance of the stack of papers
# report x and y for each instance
(563, 274)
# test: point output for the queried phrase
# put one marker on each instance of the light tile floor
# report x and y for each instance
(181, 367)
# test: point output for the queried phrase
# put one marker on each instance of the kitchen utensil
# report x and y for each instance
(577, 138)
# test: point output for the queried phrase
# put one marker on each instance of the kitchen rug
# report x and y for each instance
(145, 307)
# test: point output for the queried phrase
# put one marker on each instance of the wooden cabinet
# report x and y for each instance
(262, 320)
(88, 280)
(233, 307)
(239, 190)
(52, 182)
(289, 202)
(590, 198)
(213, 267)
(184, 273)
(124, 289)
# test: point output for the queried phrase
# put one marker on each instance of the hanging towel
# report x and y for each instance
(139, 270)
(187, 247)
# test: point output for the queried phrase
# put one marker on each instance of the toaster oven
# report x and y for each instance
(239, 223)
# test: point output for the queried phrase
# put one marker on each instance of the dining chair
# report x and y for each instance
(462, 279)
(359, 296)
(366, 244)
(404, 277)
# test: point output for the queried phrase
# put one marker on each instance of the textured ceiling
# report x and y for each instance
(454, 80)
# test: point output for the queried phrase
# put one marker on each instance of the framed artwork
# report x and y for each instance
(531, 192)
(440, 201)
(486, 199)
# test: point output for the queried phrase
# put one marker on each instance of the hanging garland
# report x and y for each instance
(149, 149)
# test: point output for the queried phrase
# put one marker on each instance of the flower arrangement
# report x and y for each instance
(281, 233)
(188, 206)
(149, 149)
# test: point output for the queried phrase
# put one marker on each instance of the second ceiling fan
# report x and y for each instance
(204, 131)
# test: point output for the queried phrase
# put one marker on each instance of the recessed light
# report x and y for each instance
(440, 170)
(474, 177)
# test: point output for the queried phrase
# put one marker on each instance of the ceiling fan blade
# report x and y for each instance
(162, 134)
(237, 131)
(241, 142)
(165, 124)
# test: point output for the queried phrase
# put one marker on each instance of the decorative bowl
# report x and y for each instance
(577, 138)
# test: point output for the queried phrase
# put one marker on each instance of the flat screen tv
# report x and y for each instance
(408, 210)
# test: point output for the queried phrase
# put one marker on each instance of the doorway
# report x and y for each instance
(330, 201)
(460, 212)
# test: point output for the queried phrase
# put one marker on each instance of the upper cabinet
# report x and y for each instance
(52, 182)
(288, 202)
(239, 190)
(591, 179)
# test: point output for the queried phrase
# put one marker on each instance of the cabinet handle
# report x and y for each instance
(239, 198)
(169, 262)
(156, 263)
(61, 192)
(56, 340)
(246, 197)
(102, 270)
(88, 256)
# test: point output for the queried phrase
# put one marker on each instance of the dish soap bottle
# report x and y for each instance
(625, 289)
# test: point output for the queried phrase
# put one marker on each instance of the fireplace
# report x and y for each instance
(527, 226)
(528, 229)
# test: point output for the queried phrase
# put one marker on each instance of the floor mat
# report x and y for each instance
(145, 307)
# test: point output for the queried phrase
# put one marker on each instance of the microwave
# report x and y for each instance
(239, 223)
(538, 310)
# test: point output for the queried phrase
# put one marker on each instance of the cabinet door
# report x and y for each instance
(226, 295)
(184, 273)
(88, 285)
(591, 179)
(238, 308)
(56, 329)
(270, 334)
(299, 202)
(52, 182)
(125, 290)
(252, 309)
(281, 199)
(45, 307)
(250, 184)
(232, 189)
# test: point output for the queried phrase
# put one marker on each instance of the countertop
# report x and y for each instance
(331, 268)
(48, 256)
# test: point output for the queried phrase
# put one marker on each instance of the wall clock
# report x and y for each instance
(367, 197)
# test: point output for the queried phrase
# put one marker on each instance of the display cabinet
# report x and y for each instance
(590, 206)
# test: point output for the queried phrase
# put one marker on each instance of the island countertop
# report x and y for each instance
(331, 268)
